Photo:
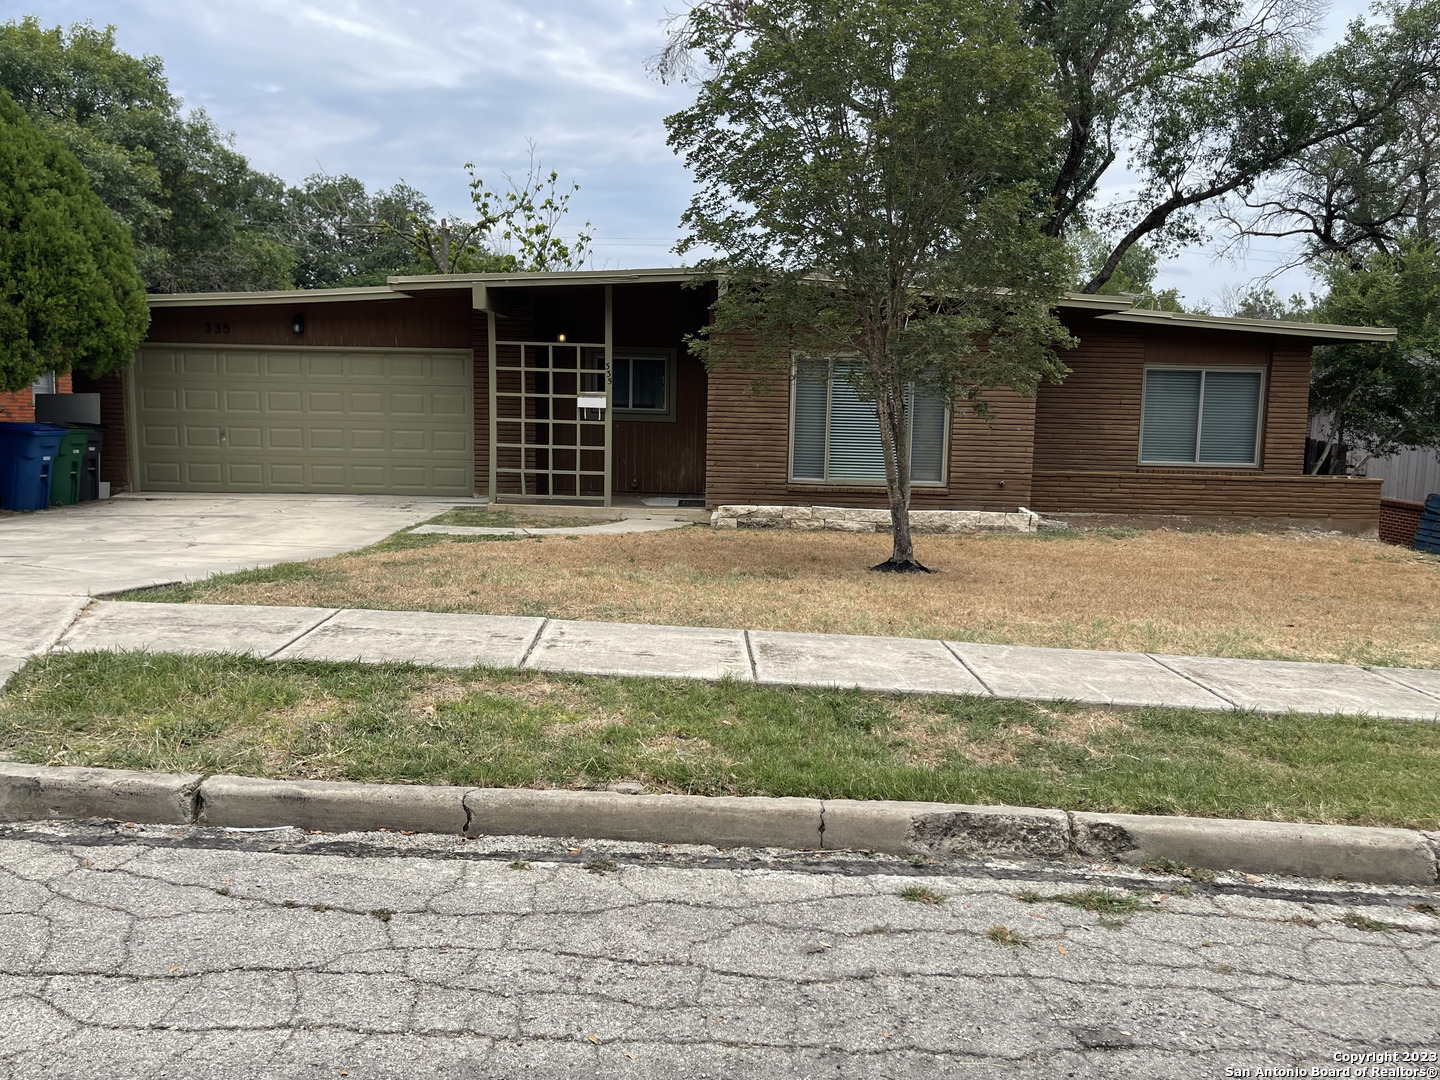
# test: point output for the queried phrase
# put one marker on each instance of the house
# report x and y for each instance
(19, 405)
(498, 384)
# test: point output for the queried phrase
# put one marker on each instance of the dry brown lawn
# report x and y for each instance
(1286, 595)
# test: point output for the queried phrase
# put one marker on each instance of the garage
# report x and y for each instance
(305, 419)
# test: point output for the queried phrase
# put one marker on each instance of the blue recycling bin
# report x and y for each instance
(27, 459)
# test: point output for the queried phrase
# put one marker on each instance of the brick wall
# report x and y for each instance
(20, 405)
(1399, 520)
(1349, 503)
(115, 456)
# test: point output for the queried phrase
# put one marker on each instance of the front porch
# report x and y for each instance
(591, 396)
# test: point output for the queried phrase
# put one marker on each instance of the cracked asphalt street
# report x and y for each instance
(198, 953)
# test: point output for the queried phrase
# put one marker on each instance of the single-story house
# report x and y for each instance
(578, 387)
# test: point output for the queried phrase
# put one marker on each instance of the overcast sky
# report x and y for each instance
(392, 89)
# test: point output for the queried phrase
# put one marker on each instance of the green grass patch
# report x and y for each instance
(919, 894)
(1171, 867)
(1100, 901)
(403, 724)
(1003, 935)
(1356, 921)
(509, 519)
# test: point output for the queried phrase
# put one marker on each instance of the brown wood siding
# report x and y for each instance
(1287, 411)
(991, 462)
(747, 459)
(433, 321)
(115, 453)
(663, 457)
(1092, 419)
(1256, 494)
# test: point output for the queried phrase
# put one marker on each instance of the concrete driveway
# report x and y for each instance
(52, 562)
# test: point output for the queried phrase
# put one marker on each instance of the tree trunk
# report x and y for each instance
(895, 443)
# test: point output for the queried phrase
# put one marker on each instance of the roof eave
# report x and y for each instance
(275, 296)
(1093, 302)
(662, 275)
(1317, 332)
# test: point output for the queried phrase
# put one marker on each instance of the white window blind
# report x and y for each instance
(835, 435)
(810, 423)
(1201, 416)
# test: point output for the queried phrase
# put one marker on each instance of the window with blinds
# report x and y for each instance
(835, 434)
(1201, 416)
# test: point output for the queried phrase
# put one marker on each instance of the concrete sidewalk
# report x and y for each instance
(902, 665)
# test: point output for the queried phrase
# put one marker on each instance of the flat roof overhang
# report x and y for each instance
(273, 296)
(1111, 308)
(1320, 333)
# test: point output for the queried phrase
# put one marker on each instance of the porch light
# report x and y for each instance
(561, 338)
(297, 323)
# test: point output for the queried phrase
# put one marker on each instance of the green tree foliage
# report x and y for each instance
(1205, 98)
(343, 235)
(1263, 302)
(199, 216)
(1200, 100)
(1382, 397)
(1134, 275)
(866, 174)
(515, 229)
(70, 296)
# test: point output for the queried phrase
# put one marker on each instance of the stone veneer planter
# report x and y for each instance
(846, 519)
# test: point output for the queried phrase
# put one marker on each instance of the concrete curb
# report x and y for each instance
(1380, 856)
(38, 792)
(245, 802)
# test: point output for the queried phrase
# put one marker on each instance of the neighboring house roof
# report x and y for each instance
(1119, 308)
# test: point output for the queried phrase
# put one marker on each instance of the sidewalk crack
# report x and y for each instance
(534, 641)
(304, 633)
(950, 648)
(89, 603)
(1208, 689)
(754, 669)
(1396, 682)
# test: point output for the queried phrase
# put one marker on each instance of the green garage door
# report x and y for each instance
(393, 421)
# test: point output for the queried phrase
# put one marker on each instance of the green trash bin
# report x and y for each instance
(69, 467)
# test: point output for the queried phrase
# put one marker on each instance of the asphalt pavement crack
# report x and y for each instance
(684, 961)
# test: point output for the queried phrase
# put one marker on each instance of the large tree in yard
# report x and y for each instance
(70, 296)
(1381, 397)
(1203, 102)
(866, 175)
(199, 216)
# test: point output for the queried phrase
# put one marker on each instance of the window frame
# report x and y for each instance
(49, 379)
(792, 479)
(654, 416)
(1260, 404)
